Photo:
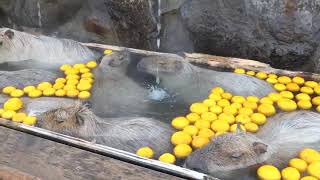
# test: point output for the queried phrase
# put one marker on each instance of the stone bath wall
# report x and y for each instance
(283, 33)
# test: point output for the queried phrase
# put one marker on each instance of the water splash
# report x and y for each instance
(157, 76)
(39, 14)
(159, 24)
(157, 94)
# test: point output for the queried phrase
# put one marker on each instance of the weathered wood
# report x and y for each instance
(50, 160)
(8, 173)
(118, 48)
(232, 63)
(217, 61)
(104, 150)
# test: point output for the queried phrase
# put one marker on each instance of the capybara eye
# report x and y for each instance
(115, 63)
(60, 120)
(79, 120)
(236, 155)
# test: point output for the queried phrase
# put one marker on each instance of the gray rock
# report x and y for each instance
(175, 37)
(53, 13)
(134, 22)
(126, 23)
(282, 33)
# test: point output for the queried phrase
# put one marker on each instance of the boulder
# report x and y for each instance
(282, 33)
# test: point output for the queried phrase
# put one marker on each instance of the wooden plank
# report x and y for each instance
(232, 63)
(51, 160)
(217, 61)
(8, 173)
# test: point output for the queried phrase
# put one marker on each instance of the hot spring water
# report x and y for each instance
(156, 93)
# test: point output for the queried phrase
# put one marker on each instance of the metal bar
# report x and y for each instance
(106, 151)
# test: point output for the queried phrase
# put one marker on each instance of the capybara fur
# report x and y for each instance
(121, 90)
(192, 83)
(238, 155)
(128, 134)
(27, 77)
(20, 48)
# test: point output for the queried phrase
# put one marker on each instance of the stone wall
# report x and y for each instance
(283, 33)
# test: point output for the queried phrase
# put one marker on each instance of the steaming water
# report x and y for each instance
(159, 24)
(156, 93)
(39, 14)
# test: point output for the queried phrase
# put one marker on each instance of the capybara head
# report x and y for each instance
(5, 35)
(74, 120)
(228, 154)
(115, 61)
(162, 65)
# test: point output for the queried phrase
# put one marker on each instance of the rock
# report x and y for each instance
(134, 22)
(282, 33)
(90, 24)
(53, 13)
(126, 23)
(175, 37)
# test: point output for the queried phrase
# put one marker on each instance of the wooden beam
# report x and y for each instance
(217, 61)
(8, 173)
(50, 160)
(251, 65)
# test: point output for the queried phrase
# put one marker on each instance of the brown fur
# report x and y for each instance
(127, 134)
(191, 83)
(237, 155)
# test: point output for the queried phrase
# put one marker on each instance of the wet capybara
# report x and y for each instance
(22, 49)
(191, 83)
(128, 133)
(238, 155)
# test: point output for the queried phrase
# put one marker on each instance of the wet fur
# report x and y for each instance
(26, 77)
(192, 83)
(16, 46)
(115, 93)
(120, 90)
(280, 139)
(127, 134)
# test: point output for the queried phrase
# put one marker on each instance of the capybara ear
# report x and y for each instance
(79, 120)
(9, 34)
(259, 148)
